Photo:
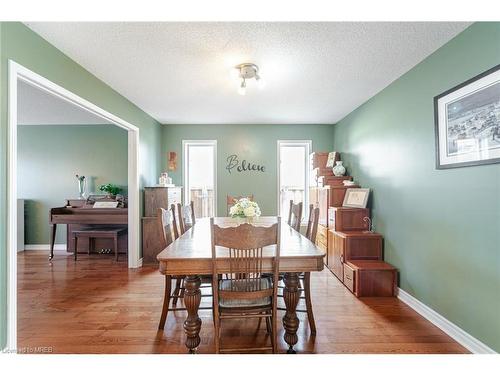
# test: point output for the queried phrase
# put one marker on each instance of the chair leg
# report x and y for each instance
(274, 334)
(115, 243)
(307, 292)
(91, 244)
(176, 291)
(75, 242)
(268, 325)
(166, 302)
(215, 312)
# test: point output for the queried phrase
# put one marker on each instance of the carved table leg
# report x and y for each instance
(291, 294)
(192, 299)
(53, 228)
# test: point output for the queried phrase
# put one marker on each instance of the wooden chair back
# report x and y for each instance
(174, 221)
(295, 215)
(312, 223)
(186, 216)
(231, 200)
(164, 218)
(245, 245)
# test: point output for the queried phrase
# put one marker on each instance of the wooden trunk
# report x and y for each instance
(366, 278)
(343, 219)
(160, 197)
(318, 159)
(333, 180)
(337, 194)
(348, 246)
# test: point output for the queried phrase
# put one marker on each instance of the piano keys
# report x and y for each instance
(78, 214)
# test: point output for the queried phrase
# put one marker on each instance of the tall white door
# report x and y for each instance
(293, 169)
(200, 174)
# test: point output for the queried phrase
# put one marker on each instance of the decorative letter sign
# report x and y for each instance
(244, 166)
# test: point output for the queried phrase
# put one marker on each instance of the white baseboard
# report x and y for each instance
(451, 329)
(45, 247)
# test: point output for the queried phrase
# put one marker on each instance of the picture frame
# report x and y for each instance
(356, 197)
(467, 122)
(332, 158)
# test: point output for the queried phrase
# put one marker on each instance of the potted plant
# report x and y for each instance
(111, 190)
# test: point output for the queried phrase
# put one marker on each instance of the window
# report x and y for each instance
(200, 174)
(293, 175)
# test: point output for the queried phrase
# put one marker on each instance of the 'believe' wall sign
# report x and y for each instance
(244, 166)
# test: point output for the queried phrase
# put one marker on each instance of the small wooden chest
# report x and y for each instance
(346, 218)
(337, 194)
(368, 278)
(333, 180)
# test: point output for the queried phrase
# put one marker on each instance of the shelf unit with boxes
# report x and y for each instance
(354, 254)
(156, 197)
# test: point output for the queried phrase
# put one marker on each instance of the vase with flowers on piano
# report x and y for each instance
(82, 186)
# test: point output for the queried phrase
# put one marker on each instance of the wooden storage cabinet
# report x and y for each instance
(322, 238)
(349, 277)
(333, 180)
(318, 159)
(160, 197)
(151, 240)
(347, 246)
(337, 194)
(318, 197)
(343, 219)
(335, 255)
(367, 278)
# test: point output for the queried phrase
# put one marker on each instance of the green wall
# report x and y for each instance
(255, 143)
(25, 47)
(98, 152)
(441, 227)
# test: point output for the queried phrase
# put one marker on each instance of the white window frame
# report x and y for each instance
(185, 175)
(308, 145)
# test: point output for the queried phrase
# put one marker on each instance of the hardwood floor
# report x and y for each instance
(99, 306)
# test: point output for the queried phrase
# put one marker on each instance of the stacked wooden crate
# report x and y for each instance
(354, 254)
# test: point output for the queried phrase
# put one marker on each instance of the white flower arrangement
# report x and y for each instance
(245, 208)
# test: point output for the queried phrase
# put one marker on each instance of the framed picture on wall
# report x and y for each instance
(356, 198)
(467, 121)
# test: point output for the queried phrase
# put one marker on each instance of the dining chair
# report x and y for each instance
(166, 223)
(305, 277)
(245, 292)
(295, 215)
(231, 200)
(186, 216)
(175, 228)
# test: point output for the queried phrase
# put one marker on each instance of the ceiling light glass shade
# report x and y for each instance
(242, 90)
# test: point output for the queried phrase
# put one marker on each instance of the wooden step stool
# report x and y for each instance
(370, 278)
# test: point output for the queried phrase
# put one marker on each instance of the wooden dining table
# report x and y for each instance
(191, 255)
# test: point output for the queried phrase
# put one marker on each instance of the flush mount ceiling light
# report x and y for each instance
(247, 71)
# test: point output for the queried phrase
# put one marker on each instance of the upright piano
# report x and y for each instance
(79, 213)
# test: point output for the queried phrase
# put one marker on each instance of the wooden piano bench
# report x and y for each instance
(93, 233)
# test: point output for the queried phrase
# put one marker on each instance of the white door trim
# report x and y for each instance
(18, 72)
(197, 142)
(292, 142)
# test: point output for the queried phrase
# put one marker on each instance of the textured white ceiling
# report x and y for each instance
(315, 72)
(37, 107)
